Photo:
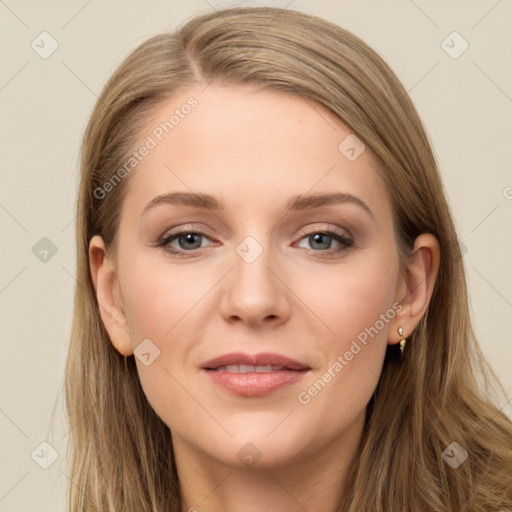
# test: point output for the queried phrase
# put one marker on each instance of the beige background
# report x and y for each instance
(465, 103)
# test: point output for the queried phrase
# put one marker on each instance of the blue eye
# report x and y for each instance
(187, 241)
(190, 241)
(323, 240)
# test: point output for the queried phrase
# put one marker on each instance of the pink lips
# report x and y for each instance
(254, 374)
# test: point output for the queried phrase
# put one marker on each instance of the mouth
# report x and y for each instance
(248, 368)
(254, 375)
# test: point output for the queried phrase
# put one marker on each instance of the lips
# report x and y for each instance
(262, 362)
(248, 368)
(254, 375)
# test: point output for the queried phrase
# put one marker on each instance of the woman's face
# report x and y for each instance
(267, 266)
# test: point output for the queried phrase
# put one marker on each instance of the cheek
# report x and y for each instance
(157, 297)
(351, 299)
(356, 303)
(145, 313)
(358, 311)
(157, 301)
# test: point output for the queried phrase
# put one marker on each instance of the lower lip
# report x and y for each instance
(255, 384)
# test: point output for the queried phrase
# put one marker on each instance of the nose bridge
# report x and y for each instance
(254, 289)
(253, 263)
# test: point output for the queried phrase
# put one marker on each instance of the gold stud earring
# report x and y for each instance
(402, 342)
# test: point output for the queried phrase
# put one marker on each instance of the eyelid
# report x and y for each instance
(324, 228)
(187, 228)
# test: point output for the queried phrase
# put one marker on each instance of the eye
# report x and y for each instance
(188, 241)
(323, 240)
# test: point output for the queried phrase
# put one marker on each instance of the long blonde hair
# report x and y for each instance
(441, 391)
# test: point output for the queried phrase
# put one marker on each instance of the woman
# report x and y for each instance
(220, 358)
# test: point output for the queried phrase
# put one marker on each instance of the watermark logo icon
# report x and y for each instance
(249, 454)
(454, 45)
(454, 455)
(146, 352)
(44, 250)
(44, 455)
(44, 45)
(249, 249)
(351, 147)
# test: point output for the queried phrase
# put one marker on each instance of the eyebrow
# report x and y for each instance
(295, 203)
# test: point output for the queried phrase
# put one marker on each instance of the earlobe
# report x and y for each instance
(420, 279)
(105, 281)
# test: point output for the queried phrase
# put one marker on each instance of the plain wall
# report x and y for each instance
(465, 104)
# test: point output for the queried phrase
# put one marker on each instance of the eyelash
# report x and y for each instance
(345, 241)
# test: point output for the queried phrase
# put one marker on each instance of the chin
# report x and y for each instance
(257, 449)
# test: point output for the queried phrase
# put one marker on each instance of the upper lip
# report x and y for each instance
(262, 359)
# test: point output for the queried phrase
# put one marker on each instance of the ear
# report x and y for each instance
(106, 285)
(417, 286)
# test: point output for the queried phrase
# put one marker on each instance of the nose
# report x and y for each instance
(255, 292)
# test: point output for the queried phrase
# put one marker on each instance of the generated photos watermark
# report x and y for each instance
(305, 397)
(151, 142)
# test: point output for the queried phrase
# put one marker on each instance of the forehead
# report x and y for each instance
(251, 147)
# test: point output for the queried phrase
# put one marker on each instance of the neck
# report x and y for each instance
(311, 482)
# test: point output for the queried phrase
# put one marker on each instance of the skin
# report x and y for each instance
(255, 150)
